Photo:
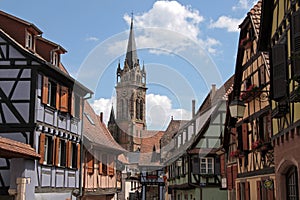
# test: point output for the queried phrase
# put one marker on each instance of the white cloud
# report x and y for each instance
(158, 107)
(170, 15)
(178, 19)
(159, 110)
(103, 105)
(231, 24)
(94, 39)
(244, 4)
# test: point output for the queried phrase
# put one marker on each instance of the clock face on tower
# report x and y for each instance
(139, 94)
(124, 93)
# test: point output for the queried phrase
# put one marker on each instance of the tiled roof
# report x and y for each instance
(255, 15)
(21, 21)
(14, 149)
(221, 93)
(149, 143)
(171, 130)
(95, 132)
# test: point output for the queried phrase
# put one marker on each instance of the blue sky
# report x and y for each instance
(185, 45)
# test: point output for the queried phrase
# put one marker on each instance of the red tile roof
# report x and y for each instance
(95, 132)
(14, 149)
(171, 130)
(255, 15)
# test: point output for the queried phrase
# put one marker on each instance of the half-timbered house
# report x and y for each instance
(40, 106)
(193, 165)
(281, 36)
(250, 166)
(101, 170)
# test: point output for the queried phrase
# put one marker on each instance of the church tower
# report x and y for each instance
(131, 98)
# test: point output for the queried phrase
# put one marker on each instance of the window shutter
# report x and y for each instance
(222, 164)
(195, 165)
(111, 166)
(296, 42)
(278, 72)
(100, 167)
(234, 174)
(238, 191)
(104, 164)
(42, 150)
(57, 146)
(90, 163)
(247, 191)
(64, 97)
(69, 152)
(78, 156)
(72, 107)
(229, 178)
(45, 90)
(57, 104)
(245, 135)
(258, 185)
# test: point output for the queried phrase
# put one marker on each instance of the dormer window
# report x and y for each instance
(29, 41)
(55, 59)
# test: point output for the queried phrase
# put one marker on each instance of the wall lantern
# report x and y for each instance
(237, 108)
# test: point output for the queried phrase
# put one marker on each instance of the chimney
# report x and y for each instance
(213, 91)
(193, 108)
(101, 117)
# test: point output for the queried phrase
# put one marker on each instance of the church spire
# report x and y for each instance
(112, 116)
(131, 55)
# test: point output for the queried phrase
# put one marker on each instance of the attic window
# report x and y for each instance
(89, 118)
(29, 41)
(55, 59)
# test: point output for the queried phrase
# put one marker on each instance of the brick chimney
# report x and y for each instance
(101, 117)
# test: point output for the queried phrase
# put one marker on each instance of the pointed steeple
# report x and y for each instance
(131, 55)
(144, 69)
(112, 116)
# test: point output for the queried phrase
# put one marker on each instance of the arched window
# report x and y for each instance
(123, 109)
(137, 111)
(141, 109)
(292, 184)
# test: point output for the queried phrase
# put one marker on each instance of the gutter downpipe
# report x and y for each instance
(81, 146)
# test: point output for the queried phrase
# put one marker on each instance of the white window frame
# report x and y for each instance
(206, 169)
(46, 150)
(29, 41)
(55, 58)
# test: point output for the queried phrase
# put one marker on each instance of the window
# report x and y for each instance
(61, 153)
(138, 109)
(292, 184)
(51, 93)
(104, 164)
(55, 59)
(46, 148)
(206, 165)
(141, 110)
(29, 41)
(76, 107)
(74, 155)
(89, 163)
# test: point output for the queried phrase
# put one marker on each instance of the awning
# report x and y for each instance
(14, 149)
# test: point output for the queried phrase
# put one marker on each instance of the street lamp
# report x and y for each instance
(237, 108)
